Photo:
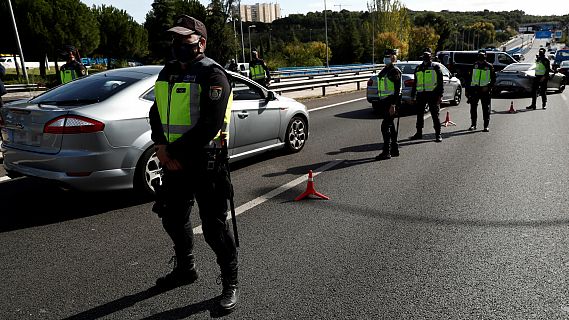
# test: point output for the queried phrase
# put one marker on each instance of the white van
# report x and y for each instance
(8, 62)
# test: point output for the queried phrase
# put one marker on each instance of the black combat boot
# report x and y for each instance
(394, 152)
(418, 135)
(229, 293)
(184, 273)
(384, 155)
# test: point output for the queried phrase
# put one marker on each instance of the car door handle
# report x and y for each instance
(243, 115)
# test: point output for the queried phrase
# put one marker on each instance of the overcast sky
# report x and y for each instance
(138, 8)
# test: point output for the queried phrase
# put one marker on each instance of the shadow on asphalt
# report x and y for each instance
(369, 114)
(29, 202)
(125, 302)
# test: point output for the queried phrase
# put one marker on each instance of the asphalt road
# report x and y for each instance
(475, 227)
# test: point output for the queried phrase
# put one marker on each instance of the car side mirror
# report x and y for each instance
(270, 96)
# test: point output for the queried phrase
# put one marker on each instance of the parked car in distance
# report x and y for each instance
(93, 133)
(518, 77)
(518, 56)
(564, 69)
(560, 56)
(243, 68)
(452, 87)
(460, 62)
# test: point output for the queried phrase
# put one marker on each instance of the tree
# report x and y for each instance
(391, 17)
(221, 42)
(421, 38)
(121, 36)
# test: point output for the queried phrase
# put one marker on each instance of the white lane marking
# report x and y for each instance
(336, 104)
(275, 192)
(4, 178)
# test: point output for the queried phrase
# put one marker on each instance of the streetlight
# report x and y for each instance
(326, 27)
(22, 60)
(241, 24)
(250, 53)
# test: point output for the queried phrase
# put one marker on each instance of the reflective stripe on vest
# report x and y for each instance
(426, 80)
(480, 77)
(385, 87)
(67, 75)
(257, 72)
(539, 68)
(178, 106)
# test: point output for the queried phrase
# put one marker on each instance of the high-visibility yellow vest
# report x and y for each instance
(539, 68)
(385, 87)
(257, 72)
(426, 80)
(179, 108)
(480, 77)
(67, 75)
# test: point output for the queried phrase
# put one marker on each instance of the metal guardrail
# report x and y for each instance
(332, 77)
(23, 87)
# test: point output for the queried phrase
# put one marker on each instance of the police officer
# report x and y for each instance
(542, 70)
(233, 66)
(428, 90)
(389, 92)
(73, 69)
(188, 119)
(482, 81)
(258, 70)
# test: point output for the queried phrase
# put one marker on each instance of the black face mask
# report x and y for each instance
(481, 57)
(426, 58)
(185, 52)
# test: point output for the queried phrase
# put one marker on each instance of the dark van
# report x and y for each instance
(460, 62)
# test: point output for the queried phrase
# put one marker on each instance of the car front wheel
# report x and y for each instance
(296, 134)
(457, 97)
(148, 171)
(562, 85)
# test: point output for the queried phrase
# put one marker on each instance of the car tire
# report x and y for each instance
(562, 86)
(457, 97)
(147, 169)
(375, 106)
(296, 134)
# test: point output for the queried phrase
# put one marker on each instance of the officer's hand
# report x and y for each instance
(164, 158)
(392, 110)
(174, 165)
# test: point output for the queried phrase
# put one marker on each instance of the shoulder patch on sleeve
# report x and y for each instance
(215, 92)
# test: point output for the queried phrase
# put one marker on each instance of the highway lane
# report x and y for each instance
(473, 227)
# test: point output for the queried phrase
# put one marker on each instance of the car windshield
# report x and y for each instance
(88, 90)
(519, 67)
(565, 63)
(562, 54)
(407, 68)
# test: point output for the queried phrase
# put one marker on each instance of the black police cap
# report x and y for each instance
(427, 50)
(186, 25)
(389, 52)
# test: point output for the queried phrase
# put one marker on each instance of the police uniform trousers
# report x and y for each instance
(210, 188)
(482, 94)
(388, 129)
(541, 87)
(432, 100)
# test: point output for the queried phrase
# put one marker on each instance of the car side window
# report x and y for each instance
(149, 95)
(243, 90)
(502, 58)
(445, 71)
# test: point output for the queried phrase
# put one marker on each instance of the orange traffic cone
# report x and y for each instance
(447, 121)
(512, 110)
(310, 189)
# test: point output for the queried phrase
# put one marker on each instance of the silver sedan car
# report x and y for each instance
(452, 86)
(518, 77)
(93, 133)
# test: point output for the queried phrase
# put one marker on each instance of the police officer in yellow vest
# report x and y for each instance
(542, 70)
(482, 81)
(192, 110)
(389, 91)
(258, 70)
(72, 69)
(428, 90)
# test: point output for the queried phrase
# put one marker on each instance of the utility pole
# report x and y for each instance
(342, 5)
(373, 35)
(241, 23)
(24, 71)
(326, 33)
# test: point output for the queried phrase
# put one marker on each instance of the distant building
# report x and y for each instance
(260, 12)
